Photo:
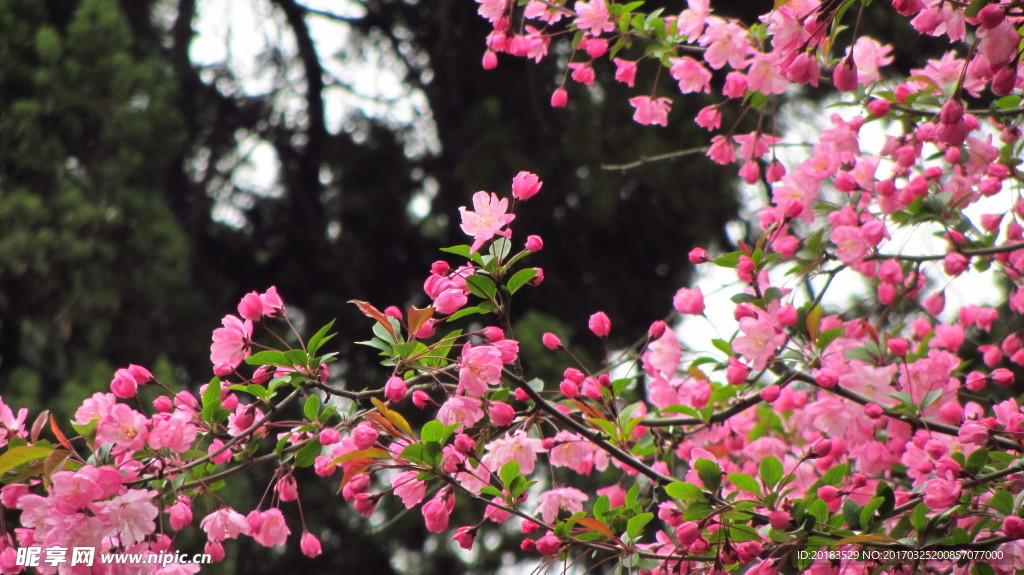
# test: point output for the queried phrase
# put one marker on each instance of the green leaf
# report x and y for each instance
(729, 260)
(509, 472)
(432, 431)
(710, 473)
(463, 250)
(211, 400)
(519, 279)
(269, 357)
(257, 391)
(1002, 501)
(745, 482)
(481, 286)
(977, 460)
(22, 454)
(311, 409)
(851, 513)
(770, 471)
(601, 507)
(635, 525)
(319, 338)
(464, 312)
(308, 454)
(686, 492)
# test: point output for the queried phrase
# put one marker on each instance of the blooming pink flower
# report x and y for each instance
(269, 527)
(460, 409)
(131, 515)
(172, 431)
(651, 110)
(516, 446)
(568, 498)
(721, 150)
(487, 219)
(409, 488)
(231, 342)
(124, 427)
(758, 342)
(625, 71)
(663, 355)
(691, 21)
(691, 75)
(479, 367)
(225, 523)
(593, 16)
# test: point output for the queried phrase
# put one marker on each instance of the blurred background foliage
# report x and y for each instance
(147, 182)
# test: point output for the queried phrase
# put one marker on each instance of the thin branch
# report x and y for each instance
(656, 158)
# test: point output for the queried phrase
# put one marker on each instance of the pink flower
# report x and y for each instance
(225, 523)
(181, 513)
(582, 72)
(231, 342)
(599, 324)
(409, 488)
(559, 98)
(310, 545)
(551, 341)
(568, 498)
(692, 20)
(663, 355)
(549, 544)
(501, 413)
(123, 384)
(593, 16)
(124, 427)
(251, 307)
(479, 367)
(852, 248)
(268, 528)
(691, 75)
(758, 342)
(625, 71)
(721, 150)
(465, 536)
(709, 118)
(651, 110)
(487, 219)
(437, 510)
(516, 446)
(460, 409)
(131, 514)
(174, 432)
(689, 301)
(780, 520)
(941, 494)
(273, 305)
(395, 389)
(525, 185)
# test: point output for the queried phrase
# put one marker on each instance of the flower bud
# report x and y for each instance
(551, 341)
(534, 244)
(559, 98)
(524, 186)
(599, 324)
